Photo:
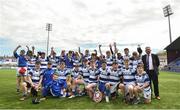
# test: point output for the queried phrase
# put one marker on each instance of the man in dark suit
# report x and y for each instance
(151, 64)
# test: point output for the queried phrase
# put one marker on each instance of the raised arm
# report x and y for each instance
(95, 51)
(79, 50)
(100, 51)
(139, 50)
(52, 51)
(33, 48)
(27, 48)
(28, 51)
(115, 48)
(110, 46)
(15, 50)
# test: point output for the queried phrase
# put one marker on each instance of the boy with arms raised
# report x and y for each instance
(22, 66)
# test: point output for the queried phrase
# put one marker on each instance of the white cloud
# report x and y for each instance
(81, 22)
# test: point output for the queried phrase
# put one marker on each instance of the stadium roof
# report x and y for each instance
(175, 45)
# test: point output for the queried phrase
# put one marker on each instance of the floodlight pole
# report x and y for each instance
(167, 12)
(48, 28)
(169, 29)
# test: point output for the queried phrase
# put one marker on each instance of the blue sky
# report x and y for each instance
(86, 23)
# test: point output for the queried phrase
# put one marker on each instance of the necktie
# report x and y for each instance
(147, 62)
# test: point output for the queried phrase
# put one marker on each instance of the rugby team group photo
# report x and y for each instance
(101, 76)
(89, 54)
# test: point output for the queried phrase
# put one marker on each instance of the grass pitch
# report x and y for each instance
(169, 84)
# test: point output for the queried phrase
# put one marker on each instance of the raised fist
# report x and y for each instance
(18, 46)
(33, 47)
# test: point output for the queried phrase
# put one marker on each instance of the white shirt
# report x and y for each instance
(151, 67)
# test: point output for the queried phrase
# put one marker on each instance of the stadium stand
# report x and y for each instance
(173, 56)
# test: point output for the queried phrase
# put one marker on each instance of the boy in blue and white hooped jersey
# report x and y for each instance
(85, 72)
(103, 78)
(31, 58)
(31, 63)
(22, 66)
(76, 80)
(33, 82)
(126, 54)
(43, 60)
(135, 60)
(95, 59)
(119, 60)
(109, 59)
(115, 75)
(87, 55)
(142, 85)
(93, 76)
(54, 59)
(62, 71)
(128, 80)
(77, 59)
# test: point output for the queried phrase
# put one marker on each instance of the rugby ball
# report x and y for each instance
(97, 97)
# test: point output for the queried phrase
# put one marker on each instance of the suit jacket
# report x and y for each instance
(155, 61)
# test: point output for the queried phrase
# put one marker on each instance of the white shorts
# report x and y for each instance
(85, 83)
(93, 84)
(113, 87)
(147, 93)
(127, 85)
(19, 74)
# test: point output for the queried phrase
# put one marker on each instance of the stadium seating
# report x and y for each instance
(173, 66)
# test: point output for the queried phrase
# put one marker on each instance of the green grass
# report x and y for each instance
(169, 84)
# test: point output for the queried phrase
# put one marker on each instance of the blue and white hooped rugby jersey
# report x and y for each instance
(109, 61)
(55, 61)
(31, 63)
(77, 61)
(85, 73)
(88, 57)
(75, 73)
(135, 62)
(141, 79)
(128, 75)
(43, 63)
(103, 75)
(114, 76)
(93, 75)
(120, 62)
(35, 75)
(63, 73)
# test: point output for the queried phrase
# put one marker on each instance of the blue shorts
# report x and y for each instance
(102, 87)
